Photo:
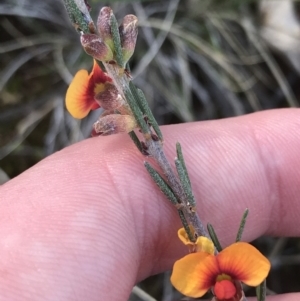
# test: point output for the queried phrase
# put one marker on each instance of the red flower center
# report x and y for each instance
(224, 289)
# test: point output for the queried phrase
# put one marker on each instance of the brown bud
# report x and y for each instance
(128, 34)
(109, 98)
(103, 25)
(94, 46)
(113, 124)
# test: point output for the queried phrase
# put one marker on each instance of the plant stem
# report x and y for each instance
(82, 21)
(156, 151)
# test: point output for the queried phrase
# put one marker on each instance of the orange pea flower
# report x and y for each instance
(80, 98)
(196, 273)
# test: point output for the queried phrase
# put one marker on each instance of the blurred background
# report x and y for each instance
(195, 60)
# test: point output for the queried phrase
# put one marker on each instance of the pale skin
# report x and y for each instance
(87, 223)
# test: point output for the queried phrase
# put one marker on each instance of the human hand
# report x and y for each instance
(87, 223)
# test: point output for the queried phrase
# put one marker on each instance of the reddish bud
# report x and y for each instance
(113, 124)
(94, 46)
(109, 98)
(128, 34)
(103, 25)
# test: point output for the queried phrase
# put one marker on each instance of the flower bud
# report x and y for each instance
(94, 46)
(128, 34)
(103, 25)
(109, 98)
(113, 124)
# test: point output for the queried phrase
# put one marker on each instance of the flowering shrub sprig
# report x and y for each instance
(109, 85)
(196, 273)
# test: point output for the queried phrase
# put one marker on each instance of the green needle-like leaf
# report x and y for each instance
(242, 226)
(214, 237)
(161, 183)
(261, 291)
(79, 17)
(181, 159)
(142, 101)
(185, 183)
(167, 191)
(136, 112)
(136, 141)
(186, 226)
(117, 41)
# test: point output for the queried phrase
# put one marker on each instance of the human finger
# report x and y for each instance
(89, 218)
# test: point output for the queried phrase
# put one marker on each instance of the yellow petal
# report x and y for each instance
(194, 274)
(80, 95)
(182, 235)
(245, 263)
(205, 245)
